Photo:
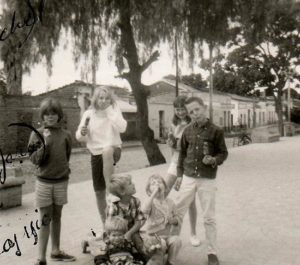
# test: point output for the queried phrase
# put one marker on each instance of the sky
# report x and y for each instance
(64, 71)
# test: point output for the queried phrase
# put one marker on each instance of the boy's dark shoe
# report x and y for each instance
(213, 259)
(39, 262)
(62, 256)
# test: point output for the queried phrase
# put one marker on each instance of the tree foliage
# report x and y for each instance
(269, 56)
(133, 29)
(195, 81)
(209, 21)
(43, 34)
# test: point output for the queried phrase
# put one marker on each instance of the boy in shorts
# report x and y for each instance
(50, 151)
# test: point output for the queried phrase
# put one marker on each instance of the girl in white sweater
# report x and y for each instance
(100, 128)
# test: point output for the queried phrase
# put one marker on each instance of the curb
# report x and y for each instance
(125, 145)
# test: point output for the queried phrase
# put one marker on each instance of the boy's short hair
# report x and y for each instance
(51, 105)
(194, 99)
(118, 183)
(116, 223)
(155, 176)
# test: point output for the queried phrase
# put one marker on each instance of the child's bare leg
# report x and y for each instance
(174, 245)
(157, 258)
(193, 217)
(45, 216)
(101, 204)
(108, 164)
(56, 228)
(170, 181)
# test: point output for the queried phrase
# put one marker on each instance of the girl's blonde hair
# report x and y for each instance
(155, 176)
(108, 92)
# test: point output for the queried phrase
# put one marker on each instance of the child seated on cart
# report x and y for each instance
(116, 250)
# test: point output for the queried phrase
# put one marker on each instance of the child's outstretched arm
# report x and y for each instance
(182, 155)
(82, 125)
(171, 141)
(134, 229)
(175, 218)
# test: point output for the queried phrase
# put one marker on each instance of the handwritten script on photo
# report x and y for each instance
(29, 231)
(8, 158)
(26, 23)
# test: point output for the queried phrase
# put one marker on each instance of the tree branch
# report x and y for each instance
(152, 59)
(124, 75)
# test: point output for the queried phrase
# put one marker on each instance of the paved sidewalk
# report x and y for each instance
(258, 212)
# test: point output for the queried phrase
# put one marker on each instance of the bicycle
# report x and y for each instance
(244, 138)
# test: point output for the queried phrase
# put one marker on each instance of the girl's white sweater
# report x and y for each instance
(104, 128)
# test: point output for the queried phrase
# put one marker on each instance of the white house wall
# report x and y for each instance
(236, 108)
(154, 109)
(229, 110)
(265, 113)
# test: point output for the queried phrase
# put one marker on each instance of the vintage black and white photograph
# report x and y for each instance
(149, 132)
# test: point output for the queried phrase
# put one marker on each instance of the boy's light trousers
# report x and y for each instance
(206, 190)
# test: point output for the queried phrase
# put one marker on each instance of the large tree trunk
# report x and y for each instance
(14, 74)
(154, 155)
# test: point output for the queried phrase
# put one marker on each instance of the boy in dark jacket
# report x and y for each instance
(203, 149)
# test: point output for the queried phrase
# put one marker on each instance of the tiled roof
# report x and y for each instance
(183, 88)
(119, 91)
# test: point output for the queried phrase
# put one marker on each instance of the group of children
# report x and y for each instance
(133, 233)
(151, 236)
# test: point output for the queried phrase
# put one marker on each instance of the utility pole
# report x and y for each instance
(93, 47)
(289, 100)
(211, 113)
(176, 61)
